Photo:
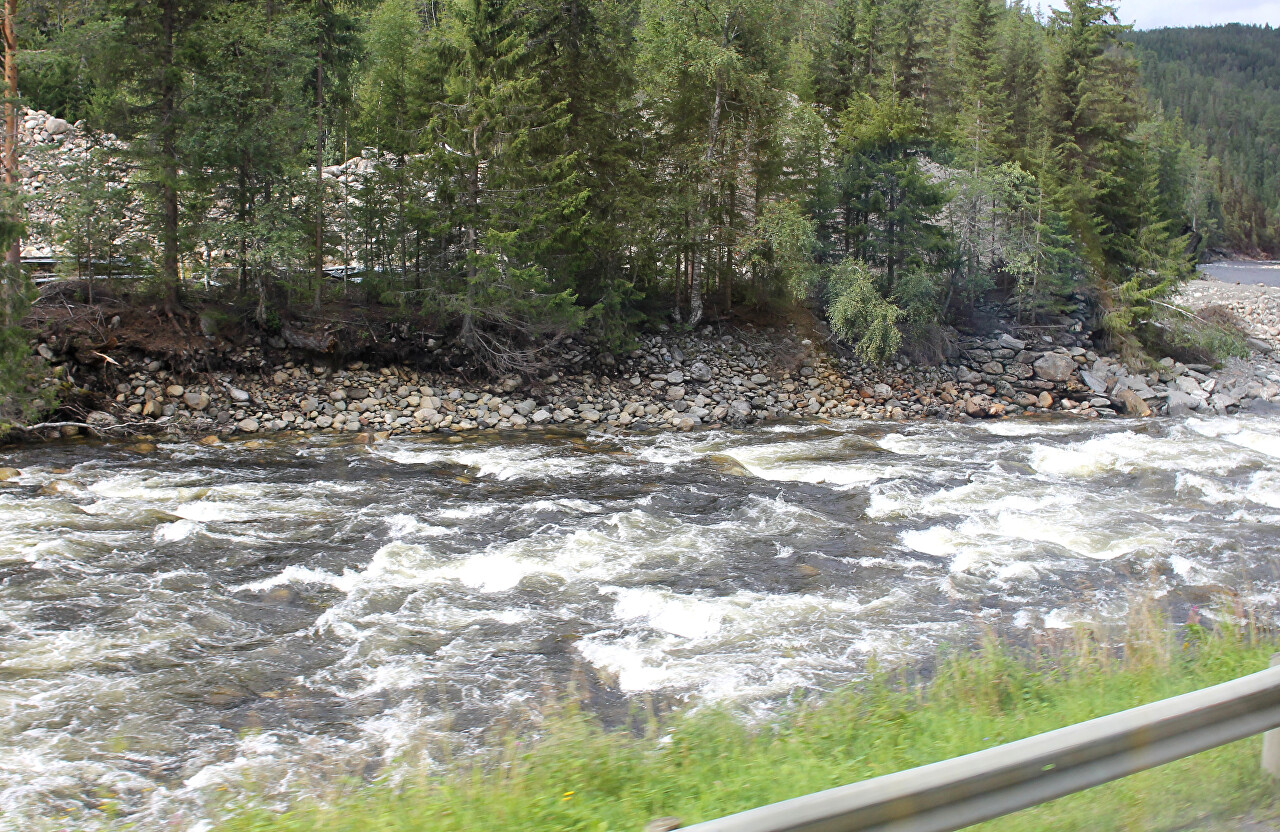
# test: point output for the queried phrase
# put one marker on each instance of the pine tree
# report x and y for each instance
(146, 56)
(502, 181)
(245, 157)
(713, 75)
(983, 116)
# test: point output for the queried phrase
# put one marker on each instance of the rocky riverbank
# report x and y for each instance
(677, 381)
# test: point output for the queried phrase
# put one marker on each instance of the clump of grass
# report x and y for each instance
(705, 765)
(1208, 336)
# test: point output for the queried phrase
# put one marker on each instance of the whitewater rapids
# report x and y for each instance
(179, 628)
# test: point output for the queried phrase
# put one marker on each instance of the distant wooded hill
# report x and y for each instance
(1225, 83)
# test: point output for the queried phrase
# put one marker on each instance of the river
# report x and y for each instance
(193, 623)
(1264, 272)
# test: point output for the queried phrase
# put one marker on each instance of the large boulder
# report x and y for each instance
(1055, 367)
(1130, 403)
(1182, 404)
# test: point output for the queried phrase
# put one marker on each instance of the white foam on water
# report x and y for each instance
(301, 575)
(403, 525)
(175, 531)
(1020, 428)
(466, 512)
(500, 463)
(711, 645)
(1243, 435)
(684, 616)
(1262, 488)
(772, 465)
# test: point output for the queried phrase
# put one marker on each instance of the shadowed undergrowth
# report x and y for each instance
(578, 776)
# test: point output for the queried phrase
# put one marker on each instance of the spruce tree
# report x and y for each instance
(503, 182)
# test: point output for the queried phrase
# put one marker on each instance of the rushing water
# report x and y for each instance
(174, 626)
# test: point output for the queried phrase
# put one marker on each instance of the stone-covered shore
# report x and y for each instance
(714, 377)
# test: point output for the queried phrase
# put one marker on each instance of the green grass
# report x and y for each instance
(580, 777)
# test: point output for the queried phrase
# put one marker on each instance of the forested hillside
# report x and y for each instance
(518, 169)
(1223, 82)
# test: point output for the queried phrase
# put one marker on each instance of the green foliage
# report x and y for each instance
(781, 249)
(578, 776)
(518, 170)
(96, 226)
(1209, 337)
(861, 314)
(505, 190)
(20, 397)
(1224, 83)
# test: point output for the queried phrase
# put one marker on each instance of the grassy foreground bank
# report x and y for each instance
(582, 778)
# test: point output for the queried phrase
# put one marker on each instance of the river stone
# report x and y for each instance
(759, 378)
(1188, 385)
(196, 400)
(1130, 403)
(100, 419)
(590, 415)
(675, 377)
(308, 405)
(248, 425)
(338, 394)
(739, 410)
(1182, 404)
(142, 448)
(55, 126)
(1054, 366)
(700, 372)
(174, 390)
(1093, 382)
(979, 406)
(1044, 400)
(1010, 343)
(238, 395)
(540, 416)
(210, 440)
(7, 474)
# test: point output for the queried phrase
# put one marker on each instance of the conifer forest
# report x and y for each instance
(516, 170)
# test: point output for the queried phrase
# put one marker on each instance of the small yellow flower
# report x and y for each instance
(567, 796)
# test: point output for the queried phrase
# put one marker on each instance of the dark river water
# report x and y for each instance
(197, 622)
(1244, 271)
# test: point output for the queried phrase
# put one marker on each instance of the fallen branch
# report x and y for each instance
(96, 430)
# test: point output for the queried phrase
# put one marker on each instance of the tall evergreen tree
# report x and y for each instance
(504, 184)
(143, 88)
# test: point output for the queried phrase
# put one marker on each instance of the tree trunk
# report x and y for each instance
(168, 156)
(473, 240)
(319, 275)
(14, 255)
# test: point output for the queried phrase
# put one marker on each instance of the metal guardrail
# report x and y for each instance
(959, 792)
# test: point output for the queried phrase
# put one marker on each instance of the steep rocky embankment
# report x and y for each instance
(670, 381)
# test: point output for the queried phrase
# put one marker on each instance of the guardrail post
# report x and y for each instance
(1271, 740)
